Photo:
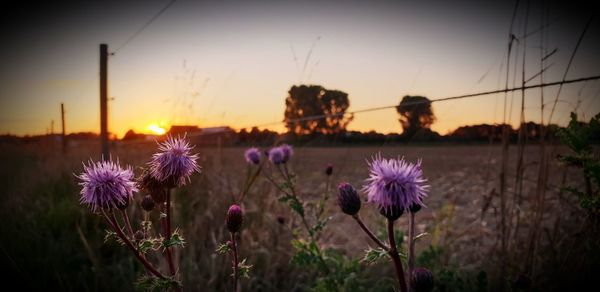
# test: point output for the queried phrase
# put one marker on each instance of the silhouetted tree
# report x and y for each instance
(415, 114)
(305, 101)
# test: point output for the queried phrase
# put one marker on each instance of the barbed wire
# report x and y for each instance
(351, 113)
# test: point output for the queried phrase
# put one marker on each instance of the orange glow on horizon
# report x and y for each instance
(156, 129)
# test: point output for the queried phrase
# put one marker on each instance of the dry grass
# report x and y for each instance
(461, 216)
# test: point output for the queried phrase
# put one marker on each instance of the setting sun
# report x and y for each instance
(156, 129)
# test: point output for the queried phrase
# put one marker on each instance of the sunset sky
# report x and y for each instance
(232, 63)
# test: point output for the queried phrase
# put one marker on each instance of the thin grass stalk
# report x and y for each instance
(518, 194)
(503, 170)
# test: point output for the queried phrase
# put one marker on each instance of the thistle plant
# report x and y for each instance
(394, 186)
(255, 165)
(334, 270)
(107, 187)
(235, 219)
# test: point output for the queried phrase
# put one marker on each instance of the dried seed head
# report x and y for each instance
(235, 218)
(348, 199)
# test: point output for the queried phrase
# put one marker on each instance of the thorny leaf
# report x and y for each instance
(176, 239)
(373, 256)
(223, 248)
(148, 283)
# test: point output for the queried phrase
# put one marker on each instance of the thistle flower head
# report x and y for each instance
(288, 152)
(276, 155)
(395, 185)
(106, 185)
(173, 164)
(422, 280)
(235, 218)
(252, 155)
(348, 199)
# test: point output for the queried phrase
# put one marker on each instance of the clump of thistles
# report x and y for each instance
(348, 199)
(106, 185)
(395, 186)
(174, 164)
(252, 155)
(235, 218)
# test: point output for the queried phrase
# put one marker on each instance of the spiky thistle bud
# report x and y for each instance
(414, 208)
(392, 213)
(123, 205)
(154, 187)
(421, 280)
(138, 235)
(348, 199)
(235, 218)
(147, 203)
(329, 169)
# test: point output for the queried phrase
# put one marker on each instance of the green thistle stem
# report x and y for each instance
(395, 257)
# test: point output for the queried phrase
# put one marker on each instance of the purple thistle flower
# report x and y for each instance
(174, 164)
(106, 185)
(276, 155)
(288, 152)
(252, 155)
(395, 185)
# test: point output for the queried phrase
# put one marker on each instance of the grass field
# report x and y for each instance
(49, 241)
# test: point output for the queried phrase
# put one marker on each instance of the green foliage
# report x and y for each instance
(148, 244)
(175, 240)
(450, 277)
(376, 255)
(310, 100)
(243, 269)
(578, 136)
(147, 283)
(223, 248)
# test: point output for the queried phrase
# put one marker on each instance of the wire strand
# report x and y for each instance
(141, 29)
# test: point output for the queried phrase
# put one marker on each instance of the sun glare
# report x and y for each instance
(156, 129)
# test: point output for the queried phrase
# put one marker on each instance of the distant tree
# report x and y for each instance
(305, 101)
(415, 114)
